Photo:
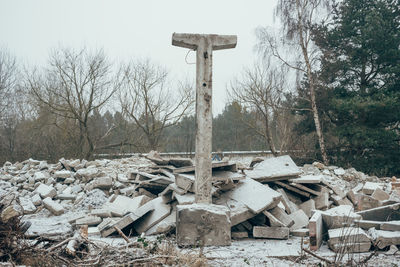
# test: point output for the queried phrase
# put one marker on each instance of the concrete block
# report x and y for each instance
(391, 226)
(256, 196)
(282, 216)
(185, 181)
(239, 235)
(316, 229)
(238, 211)
(160, 211)
(271, 232)
(121, 205)
(348, 248)
(64, 174)
(340, 216)
(300, 220)
(273, 221)
(367, 202)
(300, 232)
(87, 174)
(307, 207)
(203, 224)
(66, 196)
(36, 199)
(102, 183)
(40, 176)
(88, 220)
(367, 224)
(379, 194)
(93, 231)
(53, 206)
(322, 201)
(46, 191)
(369, 187)
(348, 235)
(27, 205)
(383, 239)
(185, 199)
(102, 213)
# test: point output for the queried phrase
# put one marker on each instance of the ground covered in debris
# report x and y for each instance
(123, 211)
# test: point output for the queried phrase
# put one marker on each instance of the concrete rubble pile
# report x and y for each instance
(272, 199)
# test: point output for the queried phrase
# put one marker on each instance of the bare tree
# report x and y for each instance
(261, 89)
(74, 84)
(297, 17)
(8, 78)
(148, 98)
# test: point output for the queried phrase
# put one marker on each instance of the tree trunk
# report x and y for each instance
(268, 134)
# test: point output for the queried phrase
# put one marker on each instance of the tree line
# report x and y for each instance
(326, 84)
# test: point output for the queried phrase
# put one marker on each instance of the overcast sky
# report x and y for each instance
(136, 29)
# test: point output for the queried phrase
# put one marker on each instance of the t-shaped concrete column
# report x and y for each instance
(204, 44)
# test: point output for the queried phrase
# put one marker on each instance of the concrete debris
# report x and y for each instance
(271, 199)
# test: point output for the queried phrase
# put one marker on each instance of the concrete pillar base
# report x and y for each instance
(203, 225)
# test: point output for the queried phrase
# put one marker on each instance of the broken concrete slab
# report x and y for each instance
(293, 189)
(103, 182)
(164, 226)
(300, 220)
(227, 176)
(87, 174)
(245, 191)
(125, 204)
(273, 169)
(102, 213)
(308, 179)
(380, 195)
(300, 232)
(306, 189)
(180, 162)
(348, 235)
(389, 212)
(391, 226)
(367, 224)
(46, 191)
(239, 235)
(185, 181)
(282, 216)
(27, 205)
(160, 211)
(348, 248)
(289, 205)
(383, 239)
(366, 202)
(271, 232)
(239, 212)
(316, 229)
(340, 216)
(53, 206)
(322, 201)
(273, 221)
(203, 225)
(369, 187)
(88, 220)
(307, 207)
(185, 199)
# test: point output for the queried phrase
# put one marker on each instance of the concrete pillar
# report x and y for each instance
(204, 44)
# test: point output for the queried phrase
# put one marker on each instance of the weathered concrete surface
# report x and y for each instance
(239, 212)
(88, 220)
(282, 216)
(316, 229)
(164, 226)
(379, 194)
(185, 181)
(348, 235)
(307, 207)
(366, 202)
(203, 224)
(391, 226)
(369, 187)
(340, 216)
(160, 211)
(289, 205)
(271, 232)
(383, 239)
(245, 191)
(273, 169)
(53, 206)
(204, 44)
(308, 179)
(389, 212)
(367, 224)
(46, 191)
(300, 232)
(300, 219)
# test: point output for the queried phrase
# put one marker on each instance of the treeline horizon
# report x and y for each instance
(341, 107)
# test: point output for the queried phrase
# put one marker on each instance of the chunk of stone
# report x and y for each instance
(88, 220)
(300, 232)
(160, 211)
(339, 216)
(125, 204)
(239, 235)
(87, 174)
(379, 194)
(66, 196)
(102, 213)
(369, 187)
(307, 207)
(254, 195)
(366, 202)
(53, 206)
(367, 224)
(282, 216)
(273, 169)
(10, 212)
(383, 239)
(289, 205)
(43, 227)
(185, 181)
(271, 232)
(391, 226)
(93, 231)
(322, 201)
(203, 224)
(273, 221)
(339, 171)
(27, 205)
(185, 199)
(64, 174)
(46, 191)
(164, 226)
(238, 211)
(348, 235)
(348, 248)
(389, 212)
(300, 219)
(40, 176)
(102, 182)
(36, 199)
(106, 222)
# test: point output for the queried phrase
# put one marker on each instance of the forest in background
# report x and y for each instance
(327, 83)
